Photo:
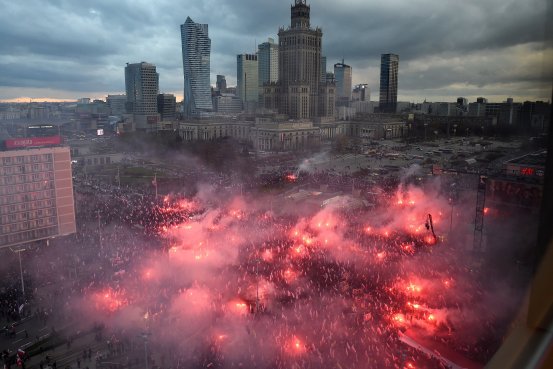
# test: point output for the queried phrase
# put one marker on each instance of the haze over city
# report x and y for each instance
(493, 48)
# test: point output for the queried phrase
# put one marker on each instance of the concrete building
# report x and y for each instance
(323, 69)
(361, 92)
(142, 87)
(389, 66)
(227, 104)
(36, 195)
(167, 106)
(117, 104)
(196, 52)
(247, 80)
(299, 62)
(342, 74)
(267, 59)
(476, 109)
(221, 84)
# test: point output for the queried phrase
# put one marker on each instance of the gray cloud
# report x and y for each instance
(63, 45)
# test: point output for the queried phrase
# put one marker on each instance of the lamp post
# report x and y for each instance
(19, 251)
(425, 125)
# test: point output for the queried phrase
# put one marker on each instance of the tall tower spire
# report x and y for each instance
(300, 14)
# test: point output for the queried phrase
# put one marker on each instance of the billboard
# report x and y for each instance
(506, 192)
(16, 143)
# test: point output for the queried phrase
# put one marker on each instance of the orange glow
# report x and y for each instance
(267, 255)
(486, 210)
(414, 306)
(291, 178)
(296, 346)
(239, 307)
(381, 255)
(413, 288)
(399, 319)
(429, 240)
(431, 318)
(148, 274)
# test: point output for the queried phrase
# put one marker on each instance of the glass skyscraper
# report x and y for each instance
(389, 65)
(196, 50)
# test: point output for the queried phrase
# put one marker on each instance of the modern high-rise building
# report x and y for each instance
(167, 106)
(36, 193)
(267, 59)
(361, 92)
(299, 92)
(247, 82)
(389, 65)
(323, 69)
(342, 74)
(142, 86)
(117, 104)
(196, 51)
(221, 84)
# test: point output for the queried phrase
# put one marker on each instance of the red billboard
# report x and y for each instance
(16, 143)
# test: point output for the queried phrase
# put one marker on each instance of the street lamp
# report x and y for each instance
(425, 125)
(19, 251)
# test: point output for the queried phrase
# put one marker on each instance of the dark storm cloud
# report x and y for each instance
(83, 46)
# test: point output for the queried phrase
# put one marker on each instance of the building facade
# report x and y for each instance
(227, 104)
(221, 84)
(167, 106)
(299, 64)
(267, 59)
(196, 52)
(342, 74)
(389, 66)
(247, 80)
(36, 195)
(142, 87)
(117, 104)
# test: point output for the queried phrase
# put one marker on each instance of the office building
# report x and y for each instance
(323, 69)
(221, 84)
(389, 65)
(167, 106)
(361, 92)
(36, 194)
(298, 92)
(342, 74)
(117, 104)
(196, 51)
(227, 104)
(247, 80)
(142, 87)
(267, 58)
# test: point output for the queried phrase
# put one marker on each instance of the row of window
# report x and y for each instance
(25, 236)
(26, 178)
(39, 158)
(27, 187)
(25, 197)
(27, 216)
(27, 206)
(25, 168)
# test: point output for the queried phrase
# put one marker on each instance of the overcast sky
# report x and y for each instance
(66, 49)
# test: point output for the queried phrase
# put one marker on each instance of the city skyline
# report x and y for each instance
(491, 49)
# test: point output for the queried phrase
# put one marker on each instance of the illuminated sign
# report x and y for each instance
(100, 132)
(15, 143)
